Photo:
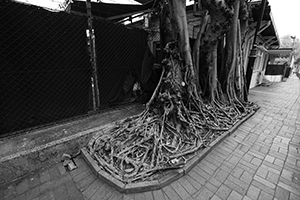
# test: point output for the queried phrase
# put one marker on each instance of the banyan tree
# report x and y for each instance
(200, 94)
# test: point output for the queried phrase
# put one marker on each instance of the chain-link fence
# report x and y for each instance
(46, 70)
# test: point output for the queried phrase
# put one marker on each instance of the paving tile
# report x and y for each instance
(60, 192)
(180, 190)
(207, 168)
(235, 196)
(223, 192)
(271, 166)
(278, 155)
(148, 196)
(205, 194)
(294, 197)
(201, 172)
(44, 176)
(47, 196)
(227, 167)
(115, 195)
(263, 187)
(290, 186)
(187, 185)
(58, 181)
(61, 168)
(217, 163)
(247, 198)
(45, 187)
(217, 154)
(79, 170)
(235, 187)
(256, 161)
(221, 175)
(263, 149)
(34, 180)
(34, 192)
(91, 189)
(237, 172)
(20, 197)
(166, 196)
(22, 186)
(9, 192)
(85, 182)
(256, 153)
(279, 162)
(193, 177)
(281, 193)
(215, 197)
(265, 196)
(238, 182)
(262, 172)
(170, 192)
(104, 192)
(211, 187)
(139, 196)
(54, 172)
(158, 195)
(234, 159)
(128, 196)
(253, 192)
(246, 177)
(272, 177)
(73, 191)
(244, 148)
(82, 175)
(246, 168)
(276, 171)
(215, 182)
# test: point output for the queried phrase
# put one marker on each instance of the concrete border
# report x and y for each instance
(171, 176)
(30, 152)
(20, 164)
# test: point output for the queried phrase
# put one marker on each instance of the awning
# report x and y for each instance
(113, 12)
(268, 31)
(282, 51)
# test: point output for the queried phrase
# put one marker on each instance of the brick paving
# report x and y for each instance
(260, 160)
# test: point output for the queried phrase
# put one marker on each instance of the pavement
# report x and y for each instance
(260, 160)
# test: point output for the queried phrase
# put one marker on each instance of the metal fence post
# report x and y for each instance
(91, 37)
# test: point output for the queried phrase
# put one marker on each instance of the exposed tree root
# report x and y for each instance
(174, 125)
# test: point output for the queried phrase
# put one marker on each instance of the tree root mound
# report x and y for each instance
(174, 125)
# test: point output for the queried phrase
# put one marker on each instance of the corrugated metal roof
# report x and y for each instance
(109, 11)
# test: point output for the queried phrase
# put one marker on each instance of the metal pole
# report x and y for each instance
(253, 51)
(95, 86)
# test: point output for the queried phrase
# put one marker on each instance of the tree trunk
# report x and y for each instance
(181, 32)
(230, 78)
(220, 17)
(196, 47)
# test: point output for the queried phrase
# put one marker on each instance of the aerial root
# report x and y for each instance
(139, 147)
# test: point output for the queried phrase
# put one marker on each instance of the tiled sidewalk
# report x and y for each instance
(260, 160)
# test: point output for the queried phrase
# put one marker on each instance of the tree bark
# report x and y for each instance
(220, 12)
(180, 30)
(230, 78)
(196, 47)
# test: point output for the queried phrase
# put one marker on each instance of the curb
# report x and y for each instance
(171, 176)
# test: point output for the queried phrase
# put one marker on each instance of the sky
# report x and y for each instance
(286, 16)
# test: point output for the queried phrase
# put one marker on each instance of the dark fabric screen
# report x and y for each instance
(45, 69)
